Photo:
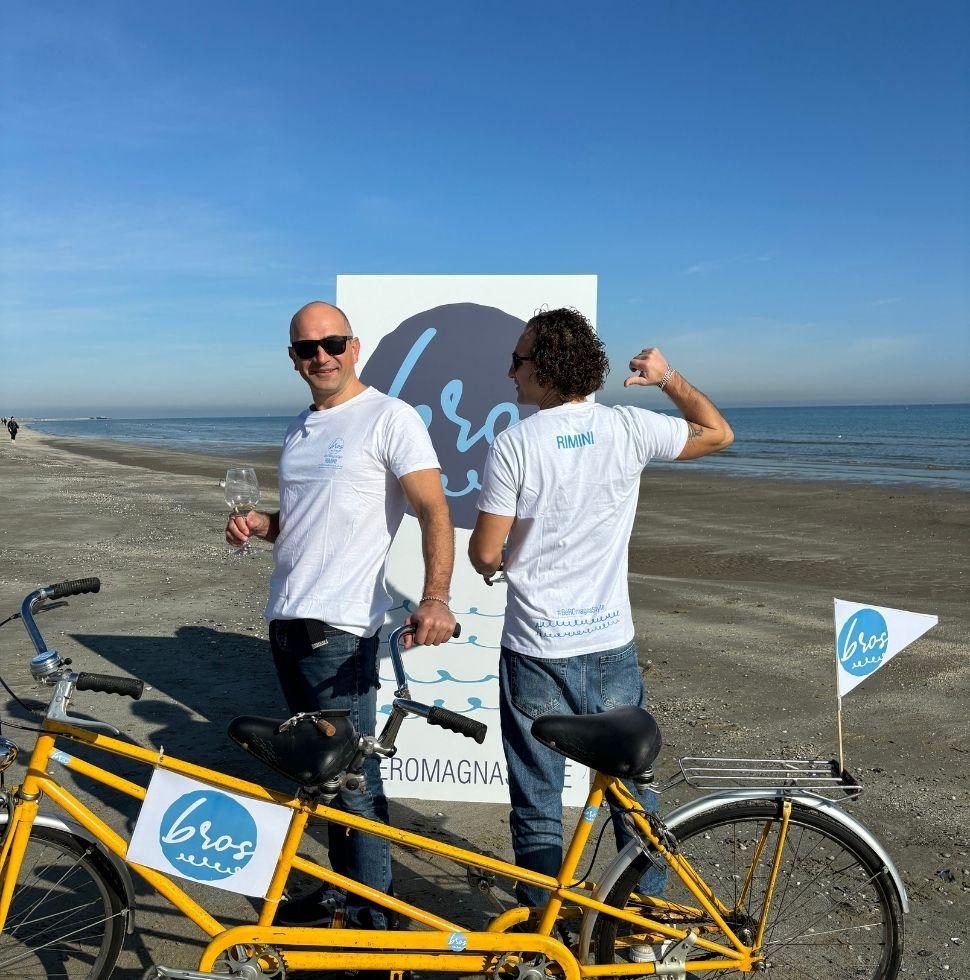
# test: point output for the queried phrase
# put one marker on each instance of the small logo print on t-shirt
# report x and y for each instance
(574, 441)
(334, 457)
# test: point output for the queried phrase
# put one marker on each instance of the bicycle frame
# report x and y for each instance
(446, 946)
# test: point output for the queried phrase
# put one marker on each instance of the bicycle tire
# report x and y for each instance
(67, 916)
(834, 911)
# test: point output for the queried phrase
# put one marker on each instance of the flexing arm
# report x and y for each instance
(486, 543)
(433, 619)
(708, 430)
(240, 527)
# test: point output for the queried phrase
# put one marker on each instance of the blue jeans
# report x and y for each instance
(531, 687)
(321, 667)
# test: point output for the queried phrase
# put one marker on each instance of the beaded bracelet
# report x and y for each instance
(434, 598)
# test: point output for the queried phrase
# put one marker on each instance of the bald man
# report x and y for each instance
(351, 463)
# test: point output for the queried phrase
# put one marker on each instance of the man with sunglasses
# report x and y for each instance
(350, 465)
(558, 501)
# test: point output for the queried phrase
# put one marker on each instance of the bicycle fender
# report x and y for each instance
(689, 810)
(68, 826)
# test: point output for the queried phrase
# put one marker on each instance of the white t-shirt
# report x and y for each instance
(340, 507)
(570, 476)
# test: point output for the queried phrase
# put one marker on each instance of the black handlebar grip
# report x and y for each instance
(459, 724)
(111, 684)
(77, 587)
(457, 632)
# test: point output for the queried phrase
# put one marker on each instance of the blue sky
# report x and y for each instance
(774, 193)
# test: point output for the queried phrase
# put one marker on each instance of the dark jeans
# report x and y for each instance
(531, 687)
(341, 672)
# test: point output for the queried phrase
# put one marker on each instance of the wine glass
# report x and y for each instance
(242, 495)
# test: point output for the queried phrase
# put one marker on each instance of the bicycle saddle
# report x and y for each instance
(622, 742)
(309, 749)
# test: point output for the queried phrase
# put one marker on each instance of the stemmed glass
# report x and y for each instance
(242, 495)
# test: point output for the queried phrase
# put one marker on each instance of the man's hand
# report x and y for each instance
(433, 622)
(649, 367)
(241, 526)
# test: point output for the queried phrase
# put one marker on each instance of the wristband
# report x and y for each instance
(434, 598)
(668, 374)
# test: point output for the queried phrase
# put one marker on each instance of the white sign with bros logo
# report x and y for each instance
(195, 831)
(444, 345)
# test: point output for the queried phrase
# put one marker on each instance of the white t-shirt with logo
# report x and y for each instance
(340, 507)
(570, 476)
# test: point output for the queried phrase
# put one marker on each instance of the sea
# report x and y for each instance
(893, 445)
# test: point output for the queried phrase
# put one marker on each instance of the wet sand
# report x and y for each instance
(732, 582)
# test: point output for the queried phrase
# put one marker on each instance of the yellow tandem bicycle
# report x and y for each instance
(768, 874)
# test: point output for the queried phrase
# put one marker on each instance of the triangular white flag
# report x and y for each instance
(866, 637)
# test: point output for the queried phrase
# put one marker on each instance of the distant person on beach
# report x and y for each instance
(12, 427)
(558, 501)
(350, 465)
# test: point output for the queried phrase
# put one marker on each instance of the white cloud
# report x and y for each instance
(715, 265)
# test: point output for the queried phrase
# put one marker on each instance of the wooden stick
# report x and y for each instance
(841, 753)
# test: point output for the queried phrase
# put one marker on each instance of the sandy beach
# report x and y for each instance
(732, 582)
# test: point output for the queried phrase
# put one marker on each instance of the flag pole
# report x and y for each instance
(838, 688)
(839, 722)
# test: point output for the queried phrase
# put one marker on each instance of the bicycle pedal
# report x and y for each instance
(176, 973)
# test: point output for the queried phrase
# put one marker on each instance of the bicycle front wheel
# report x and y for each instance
(67, 917)
(833, 912)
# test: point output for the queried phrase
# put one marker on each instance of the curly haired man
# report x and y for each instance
(559, 496)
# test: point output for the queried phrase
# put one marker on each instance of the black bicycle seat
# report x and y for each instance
(309, 749)
(622, 742)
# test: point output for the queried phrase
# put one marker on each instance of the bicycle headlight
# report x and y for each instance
(8, 753)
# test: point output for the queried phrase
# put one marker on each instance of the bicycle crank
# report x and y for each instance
(243, 962)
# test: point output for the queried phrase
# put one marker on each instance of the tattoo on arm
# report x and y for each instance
(694, 431)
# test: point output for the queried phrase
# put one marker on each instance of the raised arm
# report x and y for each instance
(433, 619)
(708, 430)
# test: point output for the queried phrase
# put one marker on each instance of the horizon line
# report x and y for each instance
(288, 413)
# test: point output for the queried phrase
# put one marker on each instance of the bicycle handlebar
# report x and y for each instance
(130, 687)
(459, 724)
(394, 642)
(435, 715)
(75, 587)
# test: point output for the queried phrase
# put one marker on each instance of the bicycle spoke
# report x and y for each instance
(54, 885)
(36, 949)
(65, 918)
(832, 904)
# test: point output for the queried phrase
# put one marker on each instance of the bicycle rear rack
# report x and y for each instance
(820, 777)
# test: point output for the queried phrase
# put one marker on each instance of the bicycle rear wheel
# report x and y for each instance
(834, 912)
(68, 914)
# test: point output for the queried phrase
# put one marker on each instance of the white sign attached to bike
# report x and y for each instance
(444, 345)
(195, 831)
(867, 637)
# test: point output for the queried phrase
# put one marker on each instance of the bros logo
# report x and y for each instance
(208, 836)
(863, 642)
(451, 363)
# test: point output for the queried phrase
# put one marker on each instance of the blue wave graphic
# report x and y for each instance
(408, 606)
(474, 704)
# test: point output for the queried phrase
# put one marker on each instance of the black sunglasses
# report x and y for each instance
(518, 360)
(332, 345)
